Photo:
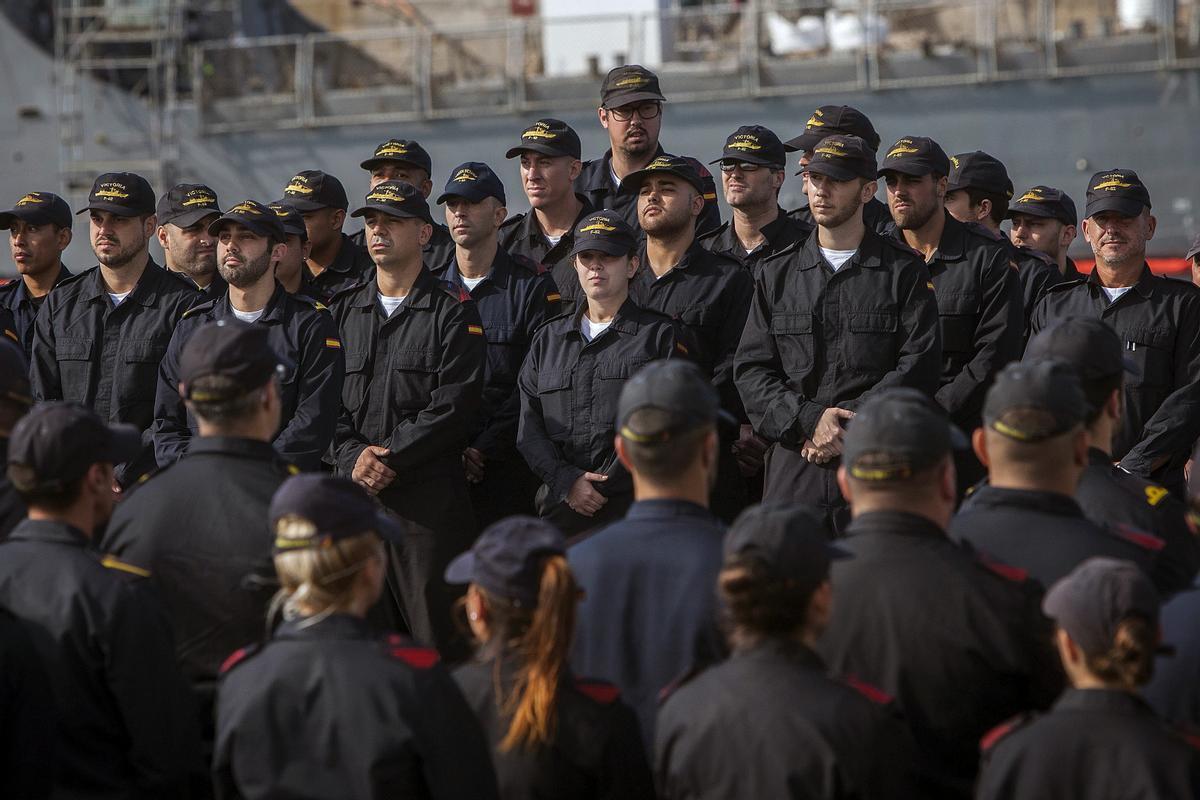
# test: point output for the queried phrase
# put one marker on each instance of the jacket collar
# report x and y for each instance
(625, 320)
(1108, 700)
(663, 509)
(333, 627)
(44, 530)
(272, 312)
(498, 274)
(1031, 499)
(1144, 285)
(895, 522)
(419, 296)
(145, 293)
(233, 445)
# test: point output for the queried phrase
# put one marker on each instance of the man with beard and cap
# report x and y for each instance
(39, 230)
(978, 191)
(250, 242)
(1193, 259)
(707, 294)
(124, 723)
(844, 121)
(514, 297)
(834, 320)
(405, 160)
(631, 112)
(550, 162)
(1157, 318)
(957, 639)
(188, 250)
(1108, 494)
(334, 262)
(1034, 446)
(1044, 218)
(752, 170)
(100, 335)
(415, 364)
(978, 292)
(289, 269)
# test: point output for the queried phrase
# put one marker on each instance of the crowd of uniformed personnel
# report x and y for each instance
(608, 499)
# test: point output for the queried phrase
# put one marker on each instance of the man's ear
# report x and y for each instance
(979, 445)
(622, 451)
(844, 484)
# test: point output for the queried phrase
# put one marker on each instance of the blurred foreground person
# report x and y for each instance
(769, 722)
(15, 400)
(552, 734)
(327, 708)
(1101, 739)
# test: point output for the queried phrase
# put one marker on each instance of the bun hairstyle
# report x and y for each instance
(1129, 662)
(319, 581)
(757, 603)
(541, 639)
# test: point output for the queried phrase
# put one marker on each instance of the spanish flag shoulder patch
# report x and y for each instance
(333, 344)
(553, 297)
(477, 330)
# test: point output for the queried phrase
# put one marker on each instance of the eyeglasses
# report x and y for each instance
(645, 111)
(744, 166)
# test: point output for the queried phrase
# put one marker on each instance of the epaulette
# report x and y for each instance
(679, 682)
(459, 293)
(1005, 571)
(993, 737)
(1061, 287)
(536, 267)
(714, 233)
(309, 300)
(340, 293)
(237, 657)
(868, 690)
(903, 247)
(404, 649)
(602, 692)
(74, 278)
(205, 305)
(984, 231)
(1137, 537)
(109, 561)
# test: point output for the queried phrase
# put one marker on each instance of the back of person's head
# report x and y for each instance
(226, 371)
(327, 531)
(1108, 609)
(666, 422)
(897, 456)
(1095, 352)
(776, 563)
(524, 591)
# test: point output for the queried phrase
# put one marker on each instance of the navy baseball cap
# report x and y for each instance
(978, 170)
(396, 199)
(1091, 602)
(38, 208)
(405, 151)
(828, 120)
(917, 156)
(506, 558)
(550, 137)
(792, 541)
(314, 510)
(631, 83)
(843, 157)
(678, 166)
(1031, 401)
(59, 441)
(1045, 201)
(312, 190)
(186, 204)
(1194, 250)
(672, 386)
(290, 218)
(254, 215)
(125, 194)
(753, 144)
(606, 231)
(897, 433)
(230, 348)
(14, 373)
(1088, 344)
(1119, 190)
(473, 181)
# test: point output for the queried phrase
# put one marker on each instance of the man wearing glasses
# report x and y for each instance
(631, 111)
(752, 171)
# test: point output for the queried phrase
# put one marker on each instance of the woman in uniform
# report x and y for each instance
(552, 735)
(327, 708)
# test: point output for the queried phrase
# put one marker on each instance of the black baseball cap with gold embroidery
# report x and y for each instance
(978, 170)
(896, 434)
(405, 151)
(753, 144)
(312, 190)
(631, 83)
(186, 204)
(472, 181)
(843, 157)
(830, 120)
(396, 199)
(125, 194)
(38, 208)
(550, 137)
(678, 166)
(606, 231)
(1031, 401)
(1119, 190)
(1194, 250)
(1047, 202)
(254, 215)
(916, 156)
(313, 510)
(290, 218)
(231, 349)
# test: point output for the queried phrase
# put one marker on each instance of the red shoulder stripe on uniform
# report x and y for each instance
(867, 690)
(992, 737)
(414, 656)
(1006, 571)
(235, 658)
(1140, 538)
(599, 691)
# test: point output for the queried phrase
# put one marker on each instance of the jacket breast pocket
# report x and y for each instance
(74, 358)
(504, 353)
(1151, 348)
(358, 378)
(793, 333)
(139, 377)
(871, 345)
(958, 315)
(554, 394)
(416, 376)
